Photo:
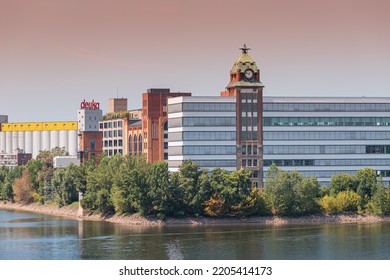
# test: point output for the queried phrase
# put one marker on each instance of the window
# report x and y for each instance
(131, 145)
(249, 150)
(92, 142)
(243, 150)
(140, 144)
(135, 144)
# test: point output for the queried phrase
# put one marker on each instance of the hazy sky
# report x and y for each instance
(55, 53)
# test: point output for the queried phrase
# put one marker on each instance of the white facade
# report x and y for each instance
(114, 136)
(325, 136)
(64, 161)
(88, 119)
(202, 129)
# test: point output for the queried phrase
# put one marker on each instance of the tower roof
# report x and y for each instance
(244, 61)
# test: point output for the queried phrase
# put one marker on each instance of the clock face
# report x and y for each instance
(248, 73)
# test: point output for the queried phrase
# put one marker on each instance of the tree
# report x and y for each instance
(23, 189)
(367, 183)
(306, 193)
(189, 175)
(100, 181)
(129, 192)
(279, 192)
(66, 182)
(160, 192)
(343, 182)
(380, 202)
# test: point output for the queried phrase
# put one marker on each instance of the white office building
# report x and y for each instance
(202, 129)
(326, 136)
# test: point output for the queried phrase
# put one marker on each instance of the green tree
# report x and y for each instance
(367, 183)
(7, 180)
(189, 175)
(279, 192)
(161, 193)
(380, 202)
(97, 195)
(307, 193)
(130, 190)
(66, 182)
(343, 182)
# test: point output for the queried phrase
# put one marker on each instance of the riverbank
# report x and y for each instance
(72, 212)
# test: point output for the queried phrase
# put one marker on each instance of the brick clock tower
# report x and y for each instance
(246, 86)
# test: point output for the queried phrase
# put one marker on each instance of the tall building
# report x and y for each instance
(324, 136)
(154, 138)
(90, 138)
(117, 105)
(246, 87)
(202, 129)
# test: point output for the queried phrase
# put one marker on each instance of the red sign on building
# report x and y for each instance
(90, 105)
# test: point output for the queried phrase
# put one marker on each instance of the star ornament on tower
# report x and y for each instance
(244, 49)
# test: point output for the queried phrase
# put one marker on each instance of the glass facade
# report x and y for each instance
(327, 121)
(202, 121)
(327, 107)
(326, 135)
(216, 121)
(367, 134)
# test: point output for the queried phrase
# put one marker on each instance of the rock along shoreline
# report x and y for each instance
(72, 212)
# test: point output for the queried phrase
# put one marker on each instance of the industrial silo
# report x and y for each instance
(72, 142)
(28, 142)
(54, 139)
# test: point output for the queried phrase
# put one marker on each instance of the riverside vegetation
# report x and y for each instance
(127, 184)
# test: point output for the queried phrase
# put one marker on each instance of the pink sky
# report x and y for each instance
(55, 53)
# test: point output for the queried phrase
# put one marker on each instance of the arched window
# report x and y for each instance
(131, 145)
(140, 144)
(135, 144)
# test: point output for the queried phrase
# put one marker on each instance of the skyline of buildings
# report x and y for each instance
(239, 128)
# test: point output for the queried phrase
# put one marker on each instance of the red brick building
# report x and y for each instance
(154, 138)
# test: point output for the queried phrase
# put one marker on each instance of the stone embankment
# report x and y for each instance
(72, 212)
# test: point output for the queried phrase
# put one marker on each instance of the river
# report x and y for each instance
(32, 236)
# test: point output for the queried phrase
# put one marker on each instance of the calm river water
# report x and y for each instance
(40, 237)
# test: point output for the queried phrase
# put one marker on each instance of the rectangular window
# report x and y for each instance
(243, 149)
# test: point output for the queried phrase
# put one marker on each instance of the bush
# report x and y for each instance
(328, 204)
(346, 201)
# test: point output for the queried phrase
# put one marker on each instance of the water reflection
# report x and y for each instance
(32, 236)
